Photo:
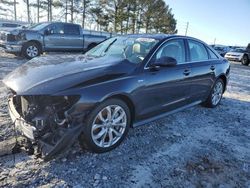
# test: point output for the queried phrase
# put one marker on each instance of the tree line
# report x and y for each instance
(121, 16)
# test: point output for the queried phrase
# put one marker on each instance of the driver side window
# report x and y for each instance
(174, 48)
(55, 29)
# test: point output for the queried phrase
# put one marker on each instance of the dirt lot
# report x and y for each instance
(198, 147)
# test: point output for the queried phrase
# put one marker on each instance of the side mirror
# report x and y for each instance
(165, 61)
(47, 32)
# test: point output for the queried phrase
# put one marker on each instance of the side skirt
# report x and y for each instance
(143, 122)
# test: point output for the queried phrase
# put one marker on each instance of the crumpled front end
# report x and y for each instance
(49, 122)
(11, 41)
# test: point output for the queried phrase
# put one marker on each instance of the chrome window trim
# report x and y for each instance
(187, 38)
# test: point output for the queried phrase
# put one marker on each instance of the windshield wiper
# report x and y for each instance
(109, 46)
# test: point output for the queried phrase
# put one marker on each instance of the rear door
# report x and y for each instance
(73, 37)
(202, 70)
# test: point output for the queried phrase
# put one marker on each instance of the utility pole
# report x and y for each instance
(186, 28)
(214, 41)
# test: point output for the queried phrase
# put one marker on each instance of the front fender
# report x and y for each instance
(93, 95)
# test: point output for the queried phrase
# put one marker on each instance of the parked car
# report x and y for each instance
(124, 82)
(222, 50)
(48, 37)
(6, 25)
(239, 54)
(248, 47)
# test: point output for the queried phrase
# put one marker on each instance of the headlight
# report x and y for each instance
(20, 36)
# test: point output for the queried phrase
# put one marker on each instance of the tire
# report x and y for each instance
(215, 95)
(245, 60)
(31, 50)
(96, 134)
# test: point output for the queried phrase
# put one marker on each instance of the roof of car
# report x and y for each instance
(57, 22)
(160, 36)
(155, 36)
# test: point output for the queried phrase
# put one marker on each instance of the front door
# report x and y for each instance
(54, 37)
(165, 88)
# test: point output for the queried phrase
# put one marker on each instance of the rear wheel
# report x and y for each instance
(245, 60)
(215, 95)
(106, 127)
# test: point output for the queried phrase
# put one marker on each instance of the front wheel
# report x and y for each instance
(106, 127)
(215, 95)
(31, 50)
(245, 60)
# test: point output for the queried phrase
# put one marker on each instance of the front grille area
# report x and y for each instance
(10, 38)
(3, 36)
(18, 104)
(234, 55)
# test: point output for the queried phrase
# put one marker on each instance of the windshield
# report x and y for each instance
(134, 49)
(238, 50)
(38, 26)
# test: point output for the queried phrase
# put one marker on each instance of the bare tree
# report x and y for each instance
(27, 2)
(8, 8)
(85, 5)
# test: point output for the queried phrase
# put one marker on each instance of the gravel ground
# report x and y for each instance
(198, 147)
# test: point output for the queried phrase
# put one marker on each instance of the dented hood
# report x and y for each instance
(53, 74)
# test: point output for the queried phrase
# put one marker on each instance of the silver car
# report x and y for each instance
(238, 54)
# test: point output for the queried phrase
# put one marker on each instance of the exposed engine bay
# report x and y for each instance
(52, 127)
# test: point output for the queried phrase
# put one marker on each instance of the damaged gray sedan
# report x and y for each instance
(124, 81)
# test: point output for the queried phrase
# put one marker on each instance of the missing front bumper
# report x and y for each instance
(25, 128)
(45, 147)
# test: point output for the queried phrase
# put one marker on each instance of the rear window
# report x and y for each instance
(71, 29)
(198, 51)
(212, 54)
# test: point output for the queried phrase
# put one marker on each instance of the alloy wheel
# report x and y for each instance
(217, 93)
(32, 51)
(109, 126)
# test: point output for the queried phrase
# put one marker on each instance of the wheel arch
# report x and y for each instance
(224, 79)
(34, 41)
(246, 54)
(128, 101)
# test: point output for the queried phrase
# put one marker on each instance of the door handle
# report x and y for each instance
(186, 72)
(212, 67)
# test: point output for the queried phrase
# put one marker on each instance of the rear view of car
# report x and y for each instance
(10, 25)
